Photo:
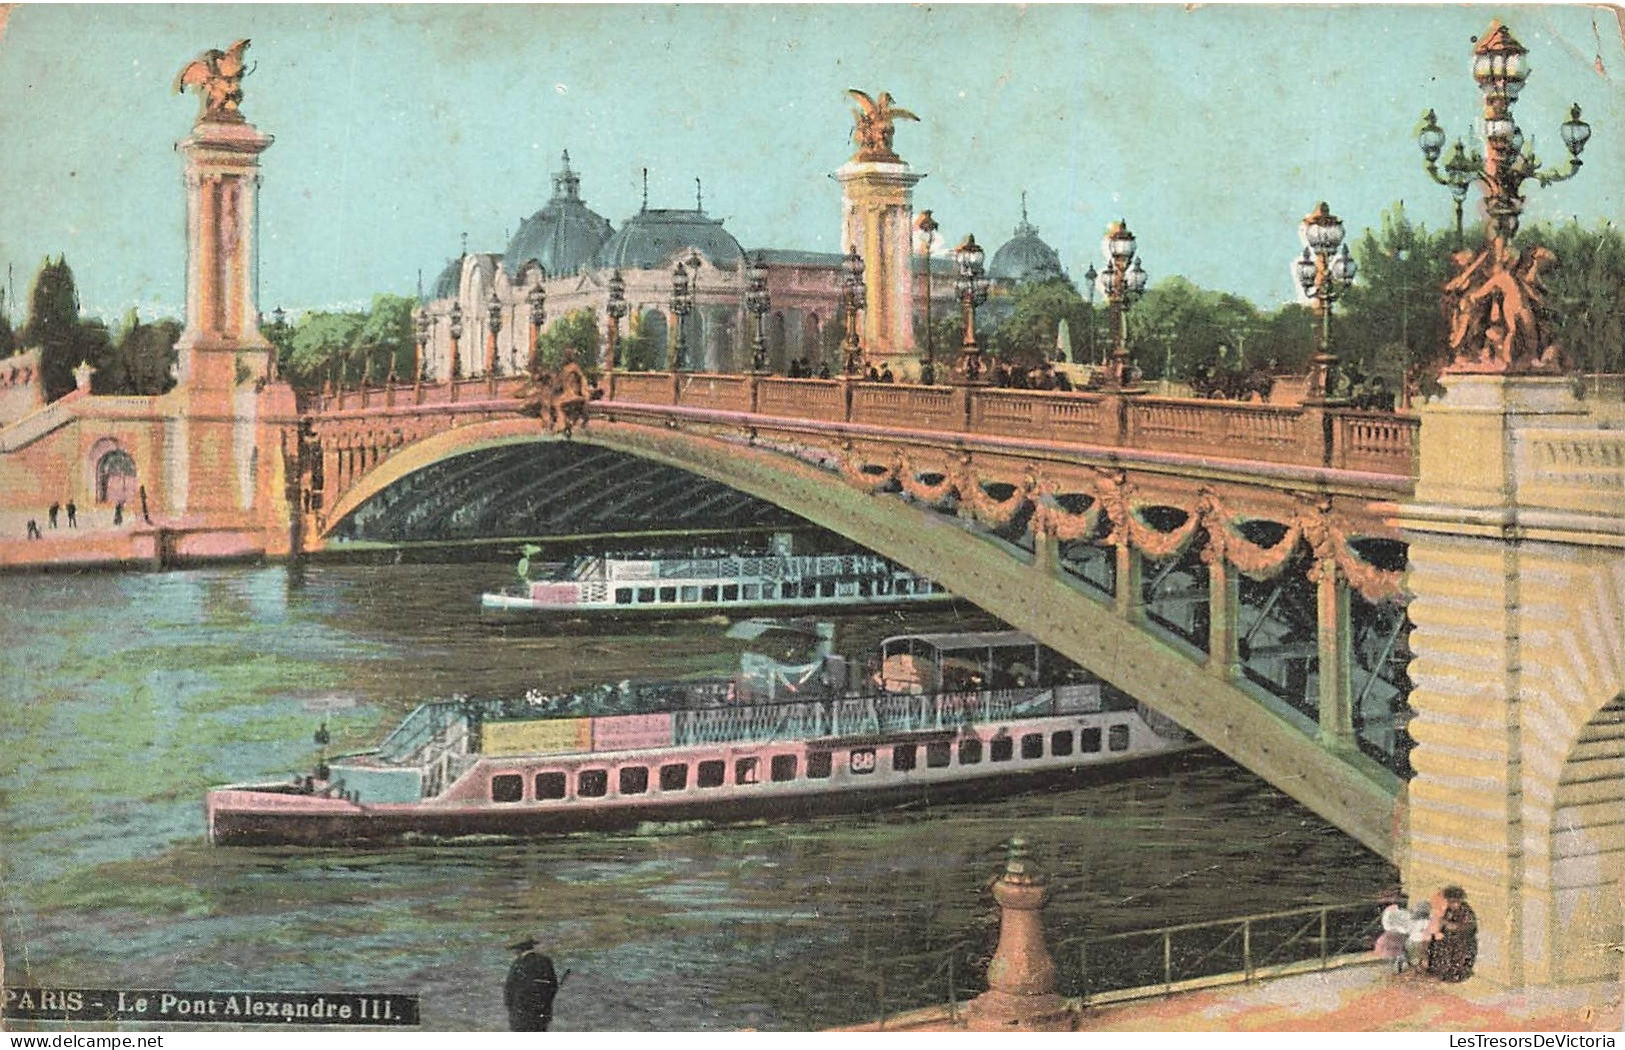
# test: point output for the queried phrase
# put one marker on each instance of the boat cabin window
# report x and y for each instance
(550, 785)
(903, 757)
(1032, 745)
(865, 589)
(1089, 739)
(827, 589)
(745, 771)
(507, 787)
(646, 594)
(623, 596)
(674, 777)
(634, 780)
(970, 751)
(1061, 743)
(711, 773)
(592, 783)
(1001, 749)
(708, 594)
(1117, 738)
(783, 767)
(903, 586)
(937, 754)
(668, 594)
(753, 591)
(730, 593)
(819, 764)
(690, 594)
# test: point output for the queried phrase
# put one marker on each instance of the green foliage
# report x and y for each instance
(1389, 319)
(639, 350)
(1028, 334)
(54, 326)
(1177, 326)
(143, 358)
(324, 349)
(8, 337)
(1586, 294)
(577, 330)
(386, 344)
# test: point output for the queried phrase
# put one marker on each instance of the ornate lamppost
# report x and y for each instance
(493, 325)
(928, 367)
(1460, 168)
(682, 301)
(1090, 276)
(759, 303)
(421, 326)
(1324, 272)
(693, 265)
(1492, 304)
(536, 298)
(456, 365)
(279, 335)
(616, 309)
(854, 298)
(972, 286)
(1123, 282)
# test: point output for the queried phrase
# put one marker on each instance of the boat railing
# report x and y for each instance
(851, 715)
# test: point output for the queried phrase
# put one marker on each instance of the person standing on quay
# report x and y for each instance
(73, 515)
(1454, 947)
(529, 991)
(56, 508)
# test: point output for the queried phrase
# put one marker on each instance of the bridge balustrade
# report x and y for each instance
(1373, 441)
(643, 388)
(820, 399)
(726, 393)
(1271, 433)
(900, 405)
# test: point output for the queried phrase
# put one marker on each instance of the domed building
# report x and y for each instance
(564, 237)
(1025, 258)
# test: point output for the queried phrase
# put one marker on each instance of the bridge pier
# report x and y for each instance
(1335, 657)
(1224, 614)
(1519, 610)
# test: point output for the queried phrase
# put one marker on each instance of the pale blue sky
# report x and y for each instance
(1211, 130)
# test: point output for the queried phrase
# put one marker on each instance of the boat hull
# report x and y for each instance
(264, 817)
(504, 607)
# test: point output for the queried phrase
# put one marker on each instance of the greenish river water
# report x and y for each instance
(124, 697)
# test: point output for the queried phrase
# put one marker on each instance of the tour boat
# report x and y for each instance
(938, 717)
(707, 582)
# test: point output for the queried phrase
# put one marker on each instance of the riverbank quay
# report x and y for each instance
(1366, 997)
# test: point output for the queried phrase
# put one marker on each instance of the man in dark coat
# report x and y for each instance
(530, 989)
(1454, 948)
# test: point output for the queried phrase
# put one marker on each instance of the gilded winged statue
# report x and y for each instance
(218, 78)
(875, 125)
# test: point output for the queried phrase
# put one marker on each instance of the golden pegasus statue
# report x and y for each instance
(875, 125)
(218, 78)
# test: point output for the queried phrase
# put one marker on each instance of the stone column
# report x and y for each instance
(1020, 994)
(1223, 615)
(1332, 650)
(877, 214)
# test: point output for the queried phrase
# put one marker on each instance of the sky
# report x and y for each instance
(1212, 130)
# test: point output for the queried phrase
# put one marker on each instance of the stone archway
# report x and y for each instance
(113, 471)
(1588, 848)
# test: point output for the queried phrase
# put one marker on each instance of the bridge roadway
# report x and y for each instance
(992, 492)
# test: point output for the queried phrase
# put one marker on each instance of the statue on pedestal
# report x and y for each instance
(875, 125)
(218, 78)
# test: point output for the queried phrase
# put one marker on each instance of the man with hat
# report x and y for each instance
(530, 989)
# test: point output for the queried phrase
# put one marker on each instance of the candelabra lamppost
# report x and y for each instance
(421, 327)
(616, 309)
(928, 367)
(855, 298)
(455, 368)
(1324, 270)
(972, 286)
(758, 302)
(693, 265)
(1496, 323)
(1090, 276)
(682, 301)
(279, 336)
(493, 325)
(1122, 283)
(536, 299)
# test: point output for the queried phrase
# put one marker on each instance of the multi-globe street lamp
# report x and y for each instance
(855, 298)
(279, 333)
(455, 366)
(536, 299)
(615, 307)
(493, 325)
(1122, 282)
(972, 285)
(421, 330)
(1090, 276)
(1324, 271)
(693, 265)
(758, 302)
(928, 367)
(1506, 163)
(1497, 320)
(682, 301)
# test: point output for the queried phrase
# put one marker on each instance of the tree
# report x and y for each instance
(1388, 320)
(142, 360)
(1178, 326)
(385, 342)
(54, 326)
(576, 330)
(324, 347)
(1028, 334)
(638, 349)
(8, 338)
(1585, 292)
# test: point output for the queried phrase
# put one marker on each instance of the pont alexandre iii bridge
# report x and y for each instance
(1414, 625)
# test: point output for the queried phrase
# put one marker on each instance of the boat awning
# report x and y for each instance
(961, 641)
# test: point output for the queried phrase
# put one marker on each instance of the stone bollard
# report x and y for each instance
(1021, 978)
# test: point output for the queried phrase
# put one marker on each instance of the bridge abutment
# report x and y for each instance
(1519, 584)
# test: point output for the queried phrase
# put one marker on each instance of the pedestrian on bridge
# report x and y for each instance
(73, 515)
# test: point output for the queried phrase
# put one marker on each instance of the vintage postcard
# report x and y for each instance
(795, 518)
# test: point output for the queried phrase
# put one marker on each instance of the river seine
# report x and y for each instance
(123, 697)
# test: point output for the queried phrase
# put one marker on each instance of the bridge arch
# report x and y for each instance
(1022, 589)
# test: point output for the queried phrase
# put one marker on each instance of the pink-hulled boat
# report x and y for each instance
(947, 716)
